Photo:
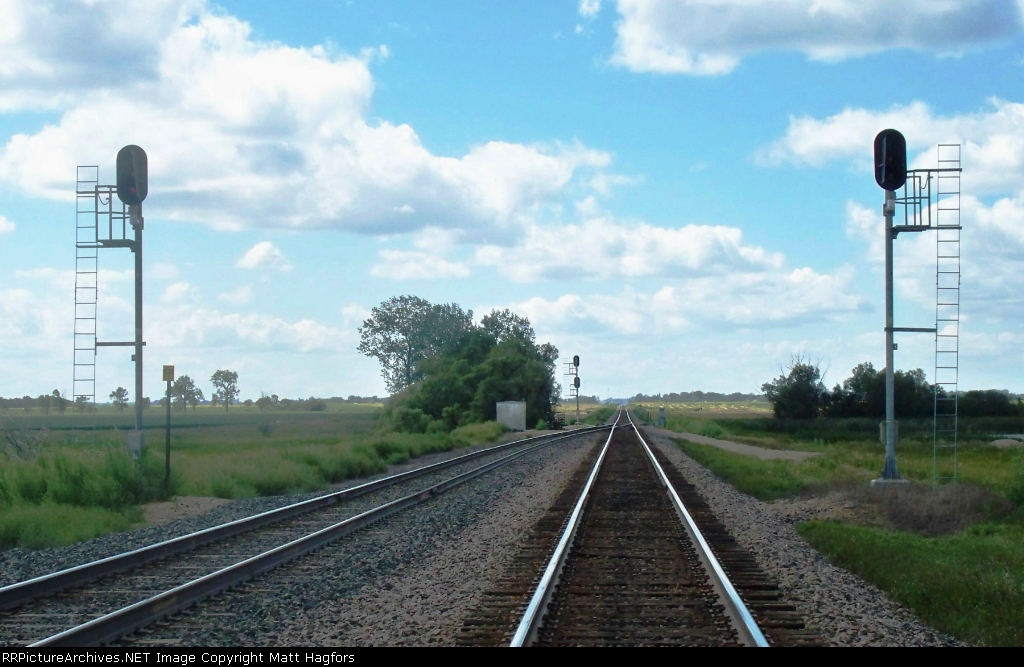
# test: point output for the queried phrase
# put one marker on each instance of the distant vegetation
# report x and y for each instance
(799, 393)
(449, 372)
(698, 397)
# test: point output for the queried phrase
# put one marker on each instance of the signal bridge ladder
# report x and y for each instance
(947, 315)
(86, 290)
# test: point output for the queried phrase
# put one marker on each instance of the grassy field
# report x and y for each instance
(955, 556)
(59, 485)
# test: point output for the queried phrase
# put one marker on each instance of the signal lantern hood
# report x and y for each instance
(576, 360)
(890, 160)
(576, 381)
(132, 175)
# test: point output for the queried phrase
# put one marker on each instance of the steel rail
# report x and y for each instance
(125, 620)
(527, 629)
(49, 584)
(737, 611)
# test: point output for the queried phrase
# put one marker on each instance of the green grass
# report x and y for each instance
(599, 415)
(770, 480)
(51, 525)
(46, 477)
(970, 585)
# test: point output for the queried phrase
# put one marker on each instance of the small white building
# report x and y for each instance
(512, 415)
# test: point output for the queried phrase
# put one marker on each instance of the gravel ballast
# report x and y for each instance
(409, 580)
(841, 607)
(17, 564)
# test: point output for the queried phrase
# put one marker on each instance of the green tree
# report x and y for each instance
(225, 384)
(404, 330)
(45, 402)
(504, 324)
(463, 385)
(119, 397)
(798, 393)
(59, 401)
(184, 389)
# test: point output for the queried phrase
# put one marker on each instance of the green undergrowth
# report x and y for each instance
(54, 494)
(599, 416)
(773, 479)
(970, 585)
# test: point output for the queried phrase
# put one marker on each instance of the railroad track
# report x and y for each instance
(629, 555)
(98, 602)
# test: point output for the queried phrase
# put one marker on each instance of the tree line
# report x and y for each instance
(697, 397)
(800, 393)
(446, 371)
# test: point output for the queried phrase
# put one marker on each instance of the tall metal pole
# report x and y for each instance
(889, 471)
(135, 215)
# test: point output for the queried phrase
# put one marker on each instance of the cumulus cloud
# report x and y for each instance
(601, 248)
(415, 265)
(589, 8)
(992, 141)
(264, 255)
(698, 37)
(243, 133)
(762, 300)
(6, 226)
(177, 292)
(239, 296)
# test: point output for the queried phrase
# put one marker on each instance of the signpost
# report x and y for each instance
(168, 378)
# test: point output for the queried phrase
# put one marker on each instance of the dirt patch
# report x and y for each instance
(747, 450)
(916, 508)
(160, 513)
(1007, 442)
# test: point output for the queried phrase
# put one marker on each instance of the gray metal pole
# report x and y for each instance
(135, 214)
(889, 471)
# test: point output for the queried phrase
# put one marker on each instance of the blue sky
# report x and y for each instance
(678, 191)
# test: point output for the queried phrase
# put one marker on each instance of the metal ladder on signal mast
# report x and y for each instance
(947, 315)
(86, 291)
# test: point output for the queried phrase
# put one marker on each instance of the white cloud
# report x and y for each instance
(415, 265)
(245, 133)
(164, 271)
(239, 296)
(702, 37)
(992, 141)
(589, 8)
(264, 255)
(177, 292)
(600, 248)
(6, 226)
(721, 303)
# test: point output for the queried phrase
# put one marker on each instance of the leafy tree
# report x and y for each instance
(796, 394)
(988, 403)
(264, 402)
(83, 404)
(404, 330)
(60, 402)
(184, 389)
(863, 394)
(225, 384)
(120, 398)
(504, 324)
(463, 385)
(45, 402)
